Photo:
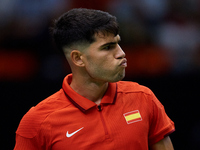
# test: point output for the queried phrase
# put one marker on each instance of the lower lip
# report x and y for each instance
(124, 64)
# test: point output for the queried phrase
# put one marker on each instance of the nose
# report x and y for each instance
(119, 53)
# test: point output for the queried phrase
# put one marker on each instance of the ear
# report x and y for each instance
(76, 57)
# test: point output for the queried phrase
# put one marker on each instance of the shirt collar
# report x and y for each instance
(83, 103)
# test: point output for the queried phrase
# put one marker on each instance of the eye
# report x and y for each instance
(107, 47)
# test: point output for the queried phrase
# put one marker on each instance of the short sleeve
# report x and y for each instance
(23, 143)
(160, 124)
(33, 133)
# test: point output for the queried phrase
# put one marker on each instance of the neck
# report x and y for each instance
(88, 88)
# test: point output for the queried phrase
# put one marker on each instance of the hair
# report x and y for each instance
(79, 25)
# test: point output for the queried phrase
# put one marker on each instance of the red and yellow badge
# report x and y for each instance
(133, 116)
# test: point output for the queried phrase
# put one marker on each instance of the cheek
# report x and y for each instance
(101, 64)
(104, 70)
(98, 67)
(105, 64)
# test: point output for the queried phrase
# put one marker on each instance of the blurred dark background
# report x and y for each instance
(161, 39)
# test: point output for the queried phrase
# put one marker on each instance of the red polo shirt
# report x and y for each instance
(129, 117)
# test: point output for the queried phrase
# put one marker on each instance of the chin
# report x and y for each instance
(118, 78)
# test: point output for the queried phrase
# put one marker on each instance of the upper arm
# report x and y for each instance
(164, 144)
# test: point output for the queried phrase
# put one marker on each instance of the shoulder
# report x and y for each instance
(132, 87)
(32, 120)
(136, 92)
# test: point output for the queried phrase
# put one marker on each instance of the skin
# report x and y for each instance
(103, 59)
(94, 65)
(164, 144)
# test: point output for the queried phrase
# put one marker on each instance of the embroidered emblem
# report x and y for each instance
(133, 116)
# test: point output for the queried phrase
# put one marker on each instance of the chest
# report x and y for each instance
(119, 126)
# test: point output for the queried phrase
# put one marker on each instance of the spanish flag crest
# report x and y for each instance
(133, 116)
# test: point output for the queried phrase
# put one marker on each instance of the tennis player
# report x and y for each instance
(94, 109)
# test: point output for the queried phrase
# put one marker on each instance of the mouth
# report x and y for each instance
(124, 63)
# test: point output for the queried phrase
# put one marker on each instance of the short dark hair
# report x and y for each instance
(80, 25)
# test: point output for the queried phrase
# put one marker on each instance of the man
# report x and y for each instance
(94, 109)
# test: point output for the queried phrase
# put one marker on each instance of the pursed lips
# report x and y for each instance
(123, 62)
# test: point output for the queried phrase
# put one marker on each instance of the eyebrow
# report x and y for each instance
(110, 43)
